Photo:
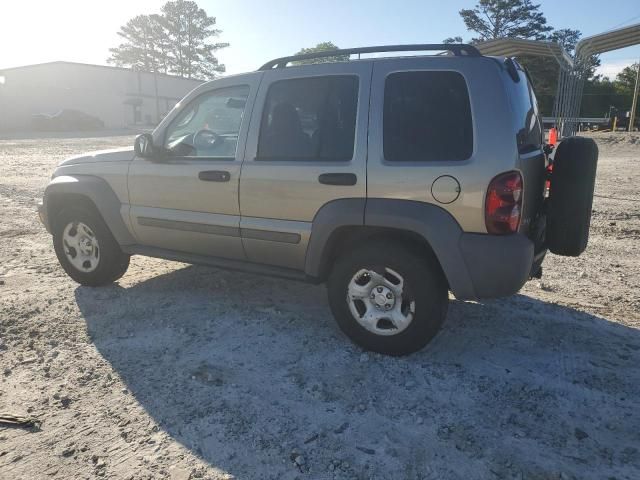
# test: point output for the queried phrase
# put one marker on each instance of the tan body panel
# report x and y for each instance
(280, 195)
(492, 152)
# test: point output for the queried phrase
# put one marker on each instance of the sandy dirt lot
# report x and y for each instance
(185, 372)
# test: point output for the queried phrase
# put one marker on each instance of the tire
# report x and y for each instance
(423, 284)
(571, 196)
(105, 262)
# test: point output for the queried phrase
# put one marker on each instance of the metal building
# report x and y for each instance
(119, 97)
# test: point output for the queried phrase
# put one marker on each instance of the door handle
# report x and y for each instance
(346, 179)
(214, 176)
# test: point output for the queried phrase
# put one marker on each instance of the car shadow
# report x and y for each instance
(250, 372)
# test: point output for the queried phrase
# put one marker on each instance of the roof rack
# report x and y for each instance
(458, 49)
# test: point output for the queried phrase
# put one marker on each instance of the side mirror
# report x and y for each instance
(143, 145)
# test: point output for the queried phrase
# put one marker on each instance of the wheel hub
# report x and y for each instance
(86, 245)
(383, 298)
(378, 301)
(81, 246)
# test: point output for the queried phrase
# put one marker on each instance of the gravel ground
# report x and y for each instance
(188, 372)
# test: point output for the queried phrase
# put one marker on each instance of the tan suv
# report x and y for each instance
(395, 180)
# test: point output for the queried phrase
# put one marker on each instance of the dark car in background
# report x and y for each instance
(65, 120)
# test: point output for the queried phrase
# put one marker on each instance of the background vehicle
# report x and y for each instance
(394, 180)
(66, 120)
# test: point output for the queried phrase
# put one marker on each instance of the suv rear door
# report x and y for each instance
(307, 146)
(437, 133)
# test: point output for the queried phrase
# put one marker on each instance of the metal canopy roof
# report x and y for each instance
(513, 47)
(605, 42)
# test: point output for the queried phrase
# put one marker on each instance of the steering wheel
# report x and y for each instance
(206, 139)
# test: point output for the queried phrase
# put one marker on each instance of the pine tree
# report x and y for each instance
(139, 50)
(492, 19)
(188, 30)
(177, 41)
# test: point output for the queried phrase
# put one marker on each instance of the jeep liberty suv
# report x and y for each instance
(394, 180)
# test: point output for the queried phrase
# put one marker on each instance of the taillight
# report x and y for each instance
(503, 204)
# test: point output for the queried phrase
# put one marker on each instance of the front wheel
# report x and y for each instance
(86, 248)
(388, 299)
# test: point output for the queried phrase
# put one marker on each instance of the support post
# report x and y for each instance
(634, 103)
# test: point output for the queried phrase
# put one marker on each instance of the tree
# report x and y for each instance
(178, 41)
(321, 47)
(567, 38)
(456, 39)
(626, 79)
(492, 19)
(188, 31)
(139, 50)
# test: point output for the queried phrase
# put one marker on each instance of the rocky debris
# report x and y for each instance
(68, 452)
(368, 451)
(341, 428)
(179, 473)
(580, 434)
(544, 286)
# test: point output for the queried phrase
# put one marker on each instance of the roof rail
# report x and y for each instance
(458, 49)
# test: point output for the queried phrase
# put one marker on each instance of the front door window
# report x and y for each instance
(209, 126)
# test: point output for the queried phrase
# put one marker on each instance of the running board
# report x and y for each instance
(224, 263)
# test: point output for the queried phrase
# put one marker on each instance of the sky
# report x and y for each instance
(35, 31)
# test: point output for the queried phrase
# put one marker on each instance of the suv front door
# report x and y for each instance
(187, 199)
(307, 147)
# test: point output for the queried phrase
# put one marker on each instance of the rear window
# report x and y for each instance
(427, 117)
(310, 119)
(525, 105)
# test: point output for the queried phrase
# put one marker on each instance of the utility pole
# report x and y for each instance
(634, 103)
(155, 85)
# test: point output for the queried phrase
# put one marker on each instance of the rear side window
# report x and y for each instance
(427, 117)
(529, 128)
(308, 119)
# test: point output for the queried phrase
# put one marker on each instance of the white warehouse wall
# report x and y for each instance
(104, 92)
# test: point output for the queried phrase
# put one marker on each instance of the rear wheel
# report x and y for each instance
(388, 299)
(86, 248)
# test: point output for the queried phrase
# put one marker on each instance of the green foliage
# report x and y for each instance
(492, 19)
(600, 94)
(178, 41)
(626, 79)
(321, 47)
(139, 48)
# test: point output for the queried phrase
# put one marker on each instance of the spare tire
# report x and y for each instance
(571, 196)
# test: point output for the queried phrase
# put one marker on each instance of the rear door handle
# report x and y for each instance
(214, 176)
(347, 179)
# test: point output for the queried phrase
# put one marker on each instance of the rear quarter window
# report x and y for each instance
(427, 117)
(526, 115)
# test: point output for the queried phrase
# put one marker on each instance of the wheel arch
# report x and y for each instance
(342, 223)
(91, 192)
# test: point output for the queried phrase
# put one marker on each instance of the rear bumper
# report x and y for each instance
(498, 266)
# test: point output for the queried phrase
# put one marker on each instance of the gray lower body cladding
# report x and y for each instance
(498, 265)
(476, 265)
